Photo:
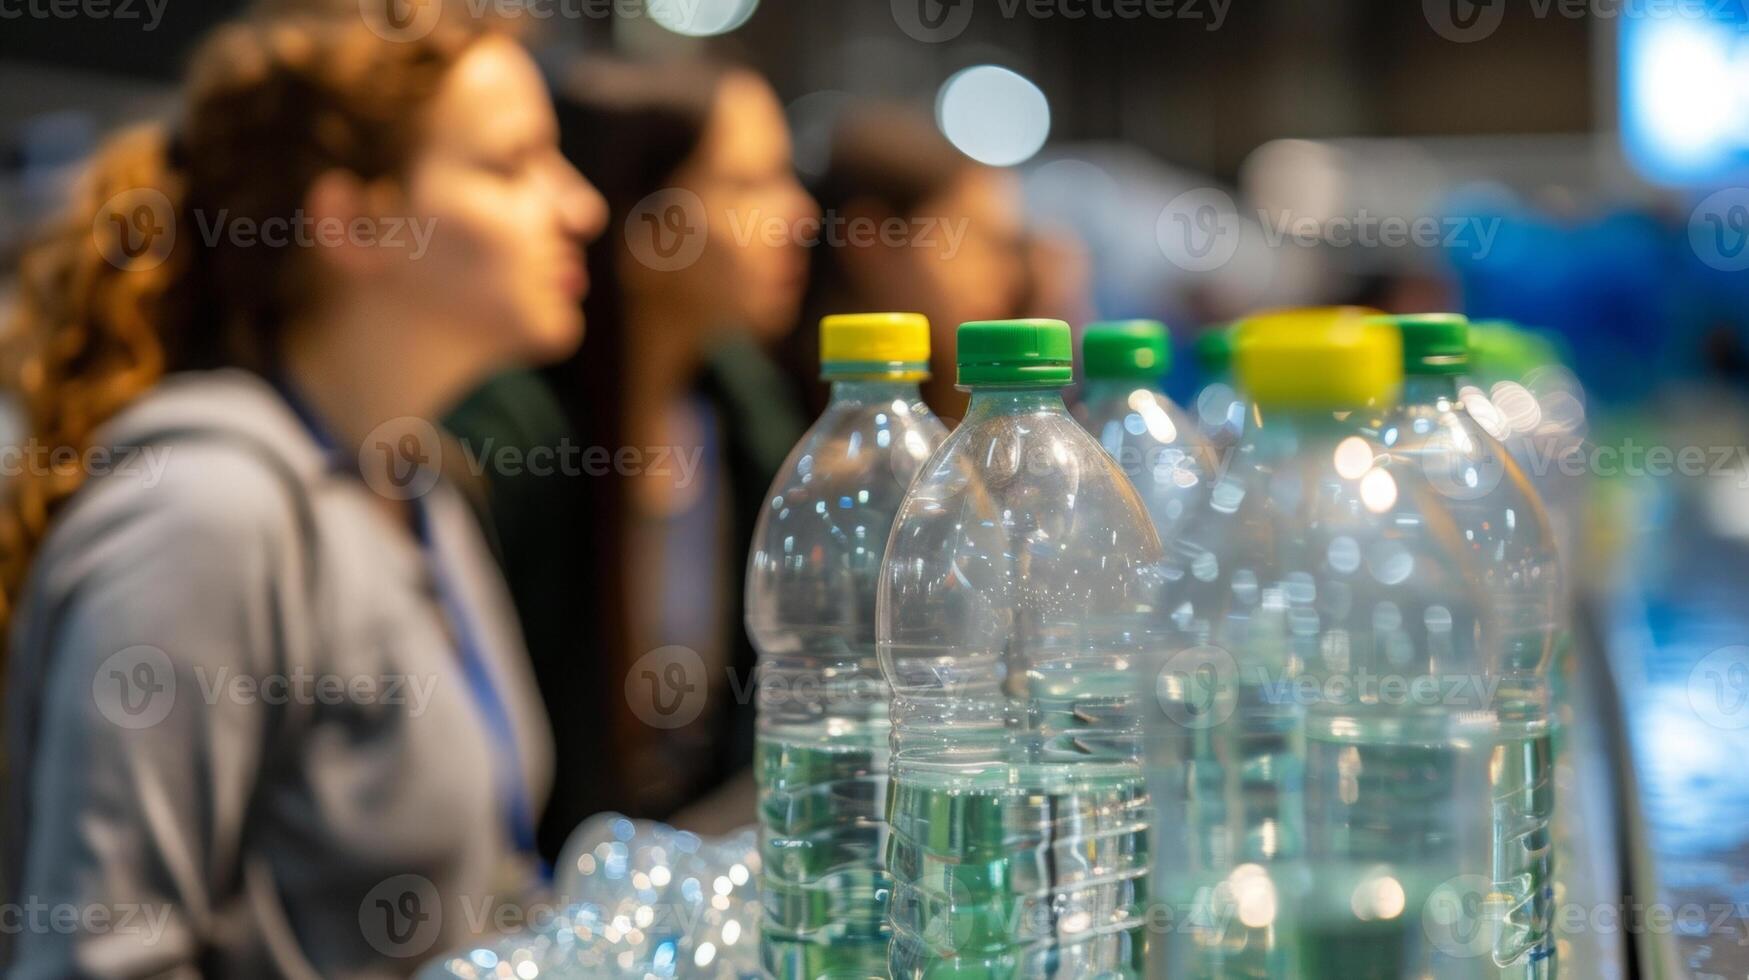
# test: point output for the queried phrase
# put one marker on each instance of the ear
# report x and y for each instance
(345, 222)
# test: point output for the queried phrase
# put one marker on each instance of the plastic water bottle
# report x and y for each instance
(1226, 745)
(1158, 448)
(1491, 912)
(811, 583)
(1520, 391)
(1014, 613)
(1536, 407)
(1220, 411)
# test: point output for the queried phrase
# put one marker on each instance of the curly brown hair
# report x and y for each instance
(121, 288)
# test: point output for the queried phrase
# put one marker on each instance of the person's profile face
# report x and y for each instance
(754, 266)
(507, 215)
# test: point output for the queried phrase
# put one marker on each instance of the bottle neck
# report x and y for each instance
(1284, 430)
(1216, 378)
(992, 401)
(851, 392)
(1427, 389)
(1099, 390)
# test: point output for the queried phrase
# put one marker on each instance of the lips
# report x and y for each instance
(574, 278)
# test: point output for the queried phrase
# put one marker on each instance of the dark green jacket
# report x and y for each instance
(544, 533)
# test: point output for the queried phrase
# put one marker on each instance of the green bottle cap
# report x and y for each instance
(1433, 343)
(1214, 351)
(1019, 353)
(1125, 349)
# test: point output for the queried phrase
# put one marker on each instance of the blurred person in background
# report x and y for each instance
(337, 237)
(963, 253)
(1059, 277)
(627, 564)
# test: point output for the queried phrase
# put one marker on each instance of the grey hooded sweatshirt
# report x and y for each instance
(240, 740)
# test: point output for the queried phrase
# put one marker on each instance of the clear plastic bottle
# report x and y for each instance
(1497, 708)
(1519, 390)
(1220, 410)
(1155, 444)
(1226, 738)
(1014, 614)
(1522, 394)
(812, 577)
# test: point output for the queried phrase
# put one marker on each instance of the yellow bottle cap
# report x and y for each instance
(1330, 358)
(892, 346)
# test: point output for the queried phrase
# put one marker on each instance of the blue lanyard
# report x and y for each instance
(511, 785)
(512, 788)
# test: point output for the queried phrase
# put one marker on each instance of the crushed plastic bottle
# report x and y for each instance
(634, 900)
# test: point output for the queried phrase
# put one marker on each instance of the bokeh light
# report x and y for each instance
(994, 115)
(700, 18)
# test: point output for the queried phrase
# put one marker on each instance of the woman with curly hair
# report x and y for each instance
(267, 708)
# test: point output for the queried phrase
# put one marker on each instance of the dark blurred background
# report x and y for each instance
(1536, 113)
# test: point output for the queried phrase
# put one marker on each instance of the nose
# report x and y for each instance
(788, 193)
(805, 205)
(582, 209)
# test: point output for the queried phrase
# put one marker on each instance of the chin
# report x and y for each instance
(554, 338)
(773, 323)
